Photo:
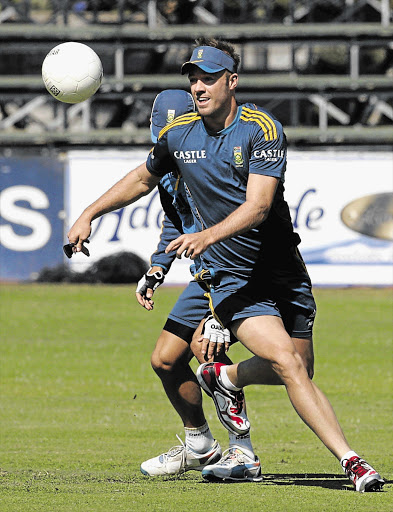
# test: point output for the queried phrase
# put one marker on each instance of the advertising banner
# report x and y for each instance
(341, 205)
(31, 215)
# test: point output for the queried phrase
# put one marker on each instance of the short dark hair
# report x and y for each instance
(224, 46)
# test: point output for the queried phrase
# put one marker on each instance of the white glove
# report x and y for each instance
(215, 332)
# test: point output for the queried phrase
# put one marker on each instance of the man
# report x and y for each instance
(232, 159)
(171, 355)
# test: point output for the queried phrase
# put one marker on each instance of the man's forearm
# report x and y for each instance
(241, 220)
(260, 194)
(244, 218)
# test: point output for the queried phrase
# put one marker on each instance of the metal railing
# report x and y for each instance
(360, 109)
(156, 12)
(281, 71)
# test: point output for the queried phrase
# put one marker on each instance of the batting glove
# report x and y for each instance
(214, 331)
(150, 280)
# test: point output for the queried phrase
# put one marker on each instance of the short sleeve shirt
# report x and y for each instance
(215, 169)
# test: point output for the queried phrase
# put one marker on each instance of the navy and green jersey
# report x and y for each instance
(215, 168)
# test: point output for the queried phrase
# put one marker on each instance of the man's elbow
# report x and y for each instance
(146, 180)
(261, 212)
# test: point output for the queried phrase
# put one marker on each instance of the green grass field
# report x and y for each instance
(81, 408)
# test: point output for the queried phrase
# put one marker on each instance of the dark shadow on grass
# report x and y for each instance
(324, 480)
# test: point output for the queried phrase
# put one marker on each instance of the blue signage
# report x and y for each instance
(31, 215)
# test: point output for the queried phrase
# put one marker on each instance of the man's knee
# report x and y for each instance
(160, 364)
(288, 366)
(220, 357)
(170, 353)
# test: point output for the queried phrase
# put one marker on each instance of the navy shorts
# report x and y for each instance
(187, 313)
(280, 288)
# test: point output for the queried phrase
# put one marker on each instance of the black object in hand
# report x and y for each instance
(67, 248)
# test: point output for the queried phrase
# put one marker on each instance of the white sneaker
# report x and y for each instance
(235, 466)
(362, 475)
(180, 459)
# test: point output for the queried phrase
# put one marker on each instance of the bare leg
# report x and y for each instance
(170, 360)
(265, 336)
(263, 371)
(266, 374)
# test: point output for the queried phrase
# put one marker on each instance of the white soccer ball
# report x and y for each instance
(72, 72)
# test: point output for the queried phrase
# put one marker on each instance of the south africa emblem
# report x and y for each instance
(237, 156)
(170, 116)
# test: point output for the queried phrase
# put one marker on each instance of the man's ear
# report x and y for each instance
(233, 80)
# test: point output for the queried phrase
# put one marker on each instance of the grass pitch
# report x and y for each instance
(80, 408)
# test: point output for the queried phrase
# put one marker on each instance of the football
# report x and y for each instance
(72, 72)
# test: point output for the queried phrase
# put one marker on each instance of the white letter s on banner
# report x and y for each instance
(37, 222)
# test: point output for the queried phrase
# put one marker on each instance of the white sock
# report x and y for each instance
(199, 439)
(225, 380)
(347, 456)
(243, 443)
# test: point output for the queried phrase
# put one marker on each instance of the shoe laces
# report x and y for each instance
(356, 467)
(230, 455)
(174, 451)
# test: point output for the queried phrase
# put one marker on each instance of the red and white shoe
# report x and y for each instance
(362, 475)
(229, 404)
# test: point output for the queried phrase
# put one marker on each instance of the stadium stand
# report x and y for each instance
(325, 69)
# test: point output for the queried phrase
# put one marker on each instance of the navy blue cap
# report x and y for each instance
(168, 105)
(210, 60)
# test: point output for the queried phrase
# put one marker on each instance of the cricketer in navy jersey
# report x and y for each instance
(216, 185)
